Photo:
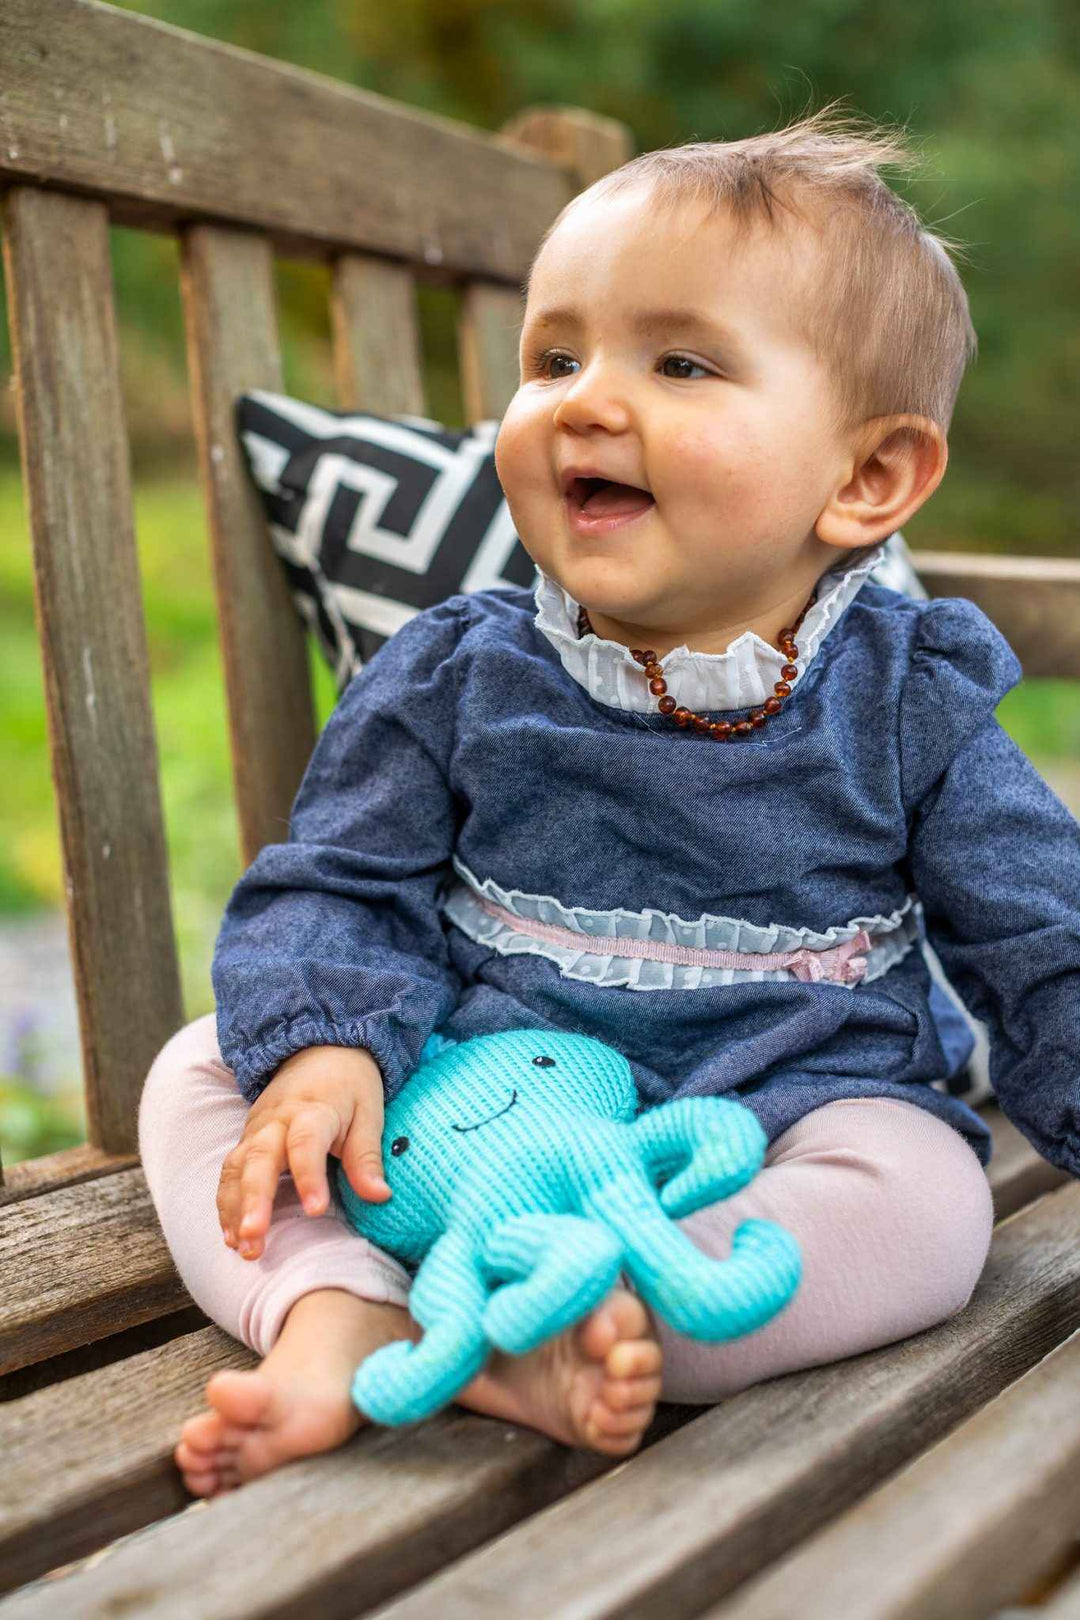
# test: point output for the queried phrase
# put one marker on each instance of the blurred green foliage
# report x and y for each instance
(32, 1125)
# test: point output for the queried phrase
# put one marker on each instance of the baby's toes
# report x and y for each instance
(615, 1433)
(204, 1472)
(626, 1394)
(624, 1405)
(204, 1433)
(206, 1454)
(200, 1475)
(633, 1358)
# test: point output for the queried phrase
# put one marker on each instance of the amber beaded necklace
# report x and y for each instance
(721, 730)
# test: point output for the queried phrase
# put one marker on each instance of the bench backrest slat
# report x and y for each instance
(378, 361)
(97, 682)
(488, 330)
(170, 127)
(1034, 601)
(229, 310)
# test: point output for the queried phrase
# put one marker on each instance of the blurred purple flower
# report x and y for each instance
(22, 1058)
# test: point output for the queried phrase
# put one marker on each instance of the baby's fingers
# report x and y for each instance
(310, 1137)
(264, 1161)
(361, 1159)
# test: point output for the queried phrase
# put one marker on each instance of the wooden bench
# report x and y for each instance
(937, 1476)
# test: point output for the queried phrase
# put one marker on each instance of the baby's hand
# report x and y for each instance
(325, 1099)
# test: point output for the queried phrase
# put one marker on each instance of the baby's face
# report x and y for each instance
(725, 423)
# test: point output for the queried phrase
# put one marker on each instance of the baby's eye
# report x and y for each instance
(399, 1145)
(545, 358)
(684, 360)
(540, 361)
(544, 1062)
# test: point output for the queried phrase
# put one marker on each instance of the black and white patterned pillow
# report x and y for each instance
(376, 517)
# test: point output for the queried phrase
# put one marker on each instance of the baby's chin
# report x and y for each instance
(626, 587)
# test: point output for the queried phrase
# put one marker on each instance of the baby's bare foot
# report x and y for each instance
(297, 1402)
(596, 1385)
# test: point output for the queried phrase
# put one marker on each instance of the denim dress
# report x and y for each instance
(498, 830)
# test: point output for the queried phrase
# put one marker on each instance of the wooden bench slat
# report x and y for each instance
(80, 1264)
(90, 1459)
(967, 1526)
(713, 1504)
(228, 289)
(1034, 601)
(31, 1178)
(97, 679)
(378, 360)
(172, 127)
(488, 331)
(397, 1504)
(333, 1533)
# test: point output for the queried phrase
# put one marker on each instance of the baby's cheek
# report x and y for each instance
(712, 461)
(517, 449)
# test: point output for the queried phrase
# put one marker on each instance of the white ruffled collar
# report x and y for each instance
(742, 676)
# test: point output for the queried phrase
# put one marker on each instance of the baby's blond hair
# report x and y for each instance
(884, 308)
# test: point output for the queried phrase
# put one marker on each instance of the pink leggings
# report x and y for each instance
(890, 1207)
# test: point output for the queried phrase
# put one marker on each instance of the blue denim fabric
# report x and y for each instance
(885, 772)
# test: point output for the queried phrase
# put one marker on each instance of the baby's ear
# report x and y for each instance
(897, 463)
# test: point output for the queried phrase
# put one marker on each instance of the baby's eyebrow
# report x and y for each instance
(645, 320)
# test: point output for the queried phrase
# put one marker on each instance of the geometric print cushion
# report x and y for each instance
(376, 517)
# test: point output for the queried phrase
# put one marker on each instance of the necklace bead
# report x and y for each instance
(720, 730)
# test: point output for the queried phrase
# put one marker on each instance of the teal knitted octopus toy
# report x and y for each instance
(524, 1181)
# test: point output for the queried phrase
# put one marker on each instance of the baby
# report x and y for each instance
(698, 794)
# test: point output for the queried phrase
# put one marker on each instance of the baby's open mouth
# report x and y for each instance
(499, 1115)
(603, 497)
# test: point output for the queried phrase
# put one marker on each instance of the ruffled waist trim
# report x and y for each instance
(655, 950)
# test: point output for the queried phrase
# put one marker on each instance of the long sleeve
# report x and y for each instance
(995, 857)
(334, 937)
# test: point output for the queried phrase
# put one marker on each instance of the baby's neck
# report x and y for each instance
(715, 638)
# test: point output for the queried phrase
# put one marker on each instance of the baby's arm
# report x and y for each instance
(324, 1099)
(333, 938)
(994, 856)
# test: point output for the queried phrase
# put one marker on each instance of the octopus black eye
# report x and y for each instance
(399, 1145)
(544, 1062)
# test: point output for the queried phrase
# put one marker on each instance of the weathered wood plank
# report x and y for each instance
(585, 144)
(87, 1358)
(97, 683)
(378, 363)
(1034, 601)
(333, 1534)
(967, 1526)
(30, 1178)
(685, 1522)
(90, 1459)
(172, 127)
(228, 290)
(80, 1264)
(489, 326)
